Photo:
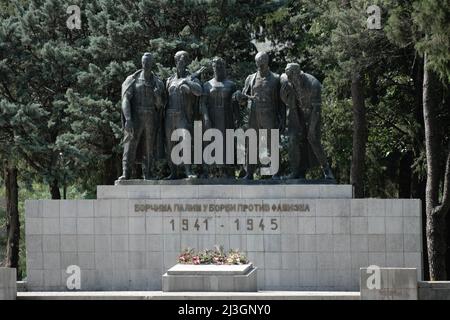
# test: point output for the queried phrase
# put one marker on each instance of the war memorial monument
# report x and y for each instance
(224, 189)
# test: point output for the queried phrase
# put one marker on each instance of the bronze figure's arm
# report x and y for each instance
(242, 96)
(204, 106)
(316, 103)
(235, 107)
(281, 108)
(196, 87)
(126, 109)
(197, 73)
(158, 93)
(287, 97)
(193, 83)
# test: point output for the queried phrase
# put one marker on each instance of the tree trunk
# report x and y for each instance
(12, 217)
(359, 136)
(447, 249)
(54, 190)
(436, 235)
(418, 181)
(435, 212)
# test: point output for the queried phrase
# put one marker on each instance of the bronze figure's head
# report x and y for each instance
(262, 61)
(182, 60)
(147, 61)
(292, 71)
(219, 67)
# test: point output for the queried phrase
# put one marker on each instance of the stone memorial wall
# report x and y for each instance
(300, 237)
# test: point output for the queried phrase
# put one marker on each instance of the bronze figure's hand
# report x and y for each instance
(239, 97)
(207, 123)
(185, 88)
(129, 128)
(286, 87)
(199, 71)
(282, 127)
(253, 98)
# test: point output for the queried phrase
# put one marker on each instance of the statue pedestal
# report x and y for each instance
(225, 181)
(299, 236)
(210, 278)
(224, 189)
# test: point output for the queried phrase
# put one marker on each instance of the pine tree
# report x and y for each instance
(118, 35)
(39, 62)
(432, 18)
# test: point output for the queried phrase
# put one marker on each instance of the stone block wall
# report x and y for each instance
(127, 239)
(393, 284)
(8, 287)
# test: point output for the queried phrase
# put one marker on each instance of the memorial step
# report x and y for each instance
(225, 191)
(159, 295)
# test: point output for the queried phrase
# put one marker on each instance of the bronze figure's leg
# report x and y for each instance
(127, 163)
(295, 143)
(149, 146)
(170, 125)
(250, 168)
(276, 176)
(188, 167)
(129, 152)
(317, 148)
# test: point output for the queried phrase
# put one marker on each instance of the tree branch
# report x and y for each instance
(393, 125)
(30, 161)
(8, 93)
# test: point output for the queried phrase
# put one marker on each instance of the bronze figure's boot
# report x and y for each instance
(188, 172)
(126, 174)
(327, 173)
(173, 173)
(249, 173)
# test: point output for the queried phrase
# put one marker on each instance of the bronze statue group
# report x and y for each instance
(290, 103)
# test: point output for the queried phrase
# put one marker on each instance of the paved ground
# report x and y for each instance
(159, 295)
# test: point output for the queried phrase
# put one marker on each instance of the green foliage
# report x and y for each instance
(432, 18)
(60, 89)
(60, 98)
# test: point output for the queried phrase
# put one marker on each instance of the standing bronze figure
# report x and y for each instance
(262, 93)
(142, 98)
(218, 109)
(301, 92)
(183, 90)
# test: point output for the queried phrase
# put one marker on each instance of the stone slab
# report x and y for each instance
(224, 181)
(209, 269)
(21, 286)
(434, 290)
(8, 286)
(207, 282)
(297, 241)
(159, 295)
(392, 284)
(225, 191)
